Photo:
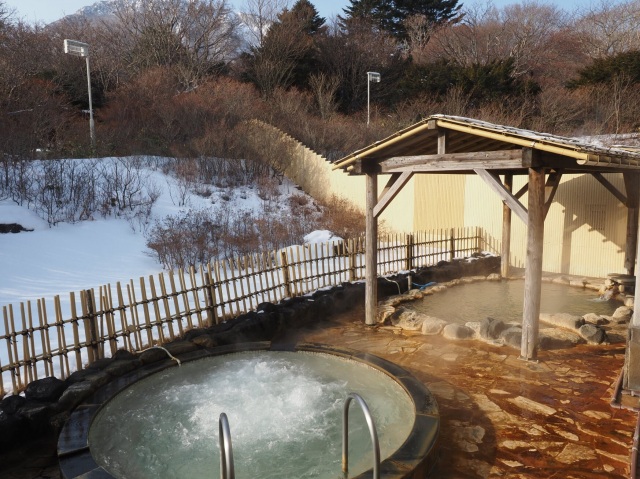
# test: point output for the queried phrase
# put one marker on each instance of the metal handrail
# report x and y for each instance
(227, 470)
(372, 431)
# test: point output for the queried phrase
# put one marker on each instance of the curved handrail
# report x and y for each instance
(372, 431)
(227, 470)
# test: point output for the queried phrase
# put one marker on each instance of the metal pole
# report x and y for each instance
(92, 131)
(368, 98)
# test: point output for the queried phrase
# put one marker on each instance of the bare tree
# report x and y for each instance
(197, 37)
(609, 28)
(259, 15)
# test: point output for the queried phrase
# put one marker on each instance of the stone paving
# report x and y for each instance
(504, 417)
(501, 417)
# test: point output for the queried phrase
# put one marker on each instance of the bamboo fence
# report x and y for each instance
(41, 339)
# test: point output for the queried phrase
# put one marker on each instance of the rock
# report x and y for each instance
(562, 320)
(494, 277)
(13, 429)
(622, 315)
(124, 355)
(490, 328)
(120, 367)
(180, 347)
(557, 338)
(205, 341)
(561, 280)
(593, 318)
(457, 331)
(45, 390)
(629, 301)
(432, 326)
(579, 283)
(11, 404)
(512, 336)
(409, 320)
(74, 395)
(592, 333)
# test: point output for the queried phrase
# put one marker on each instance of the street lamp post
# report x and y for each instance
(80, 49)
(371, 77)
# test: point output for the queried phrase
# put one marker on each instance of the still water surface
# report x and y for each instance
(504, 299)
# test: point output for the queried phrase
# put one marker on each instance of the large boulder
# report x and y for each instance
(457, 331)
(622, 315)
(406, 319)
(592, 333)
(562, 320)
(512, 337)
(432, 326)
(490, 328)
(45, 390)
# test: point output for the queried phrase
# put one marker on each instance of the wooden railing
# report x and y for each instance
(41, 339)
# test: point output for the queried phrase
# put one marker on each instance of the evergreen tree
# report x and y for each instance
(390, 15)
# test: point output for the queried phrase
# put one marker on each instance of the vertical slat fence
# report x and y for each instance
(218, 291)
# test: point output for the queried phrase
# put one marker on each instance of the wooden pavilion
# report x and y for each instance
(457, 145)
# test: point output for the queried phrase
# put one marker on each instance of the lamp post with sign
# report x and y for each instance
(80, 49)
(371, 77)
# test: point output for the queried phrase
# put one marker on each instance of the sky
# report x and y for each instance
(47, 11)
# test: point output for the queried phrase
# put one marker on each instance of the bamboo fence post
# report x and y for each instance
(259, 299)
(209, 295)
(74, 327)
(156, 307)
(33, 342)
(91, 329)
(131, 294)
(147, 316)
(46, 352)
(240, 279)
(166, 306)
(11, 345)
(409, 252)
(26, 355)
(231, 298)
(221, 295)
(452, 244)
(352, 251)
(194, 293)
(176, 302)
(126, 332)
(285, 274)
(185, 298)
(108, 316)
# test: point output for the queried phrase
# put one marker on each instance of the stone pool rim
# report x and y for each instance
(413, 459)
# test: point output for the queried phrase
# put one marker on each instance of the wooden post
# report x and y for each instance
(209, 295)
(91, 327)
(409, 252)
(506, 230)
(452, 245)
(352, 251)
(285, 274)
(631, 370)
(533, 265)
(632, 188)
(371, 253)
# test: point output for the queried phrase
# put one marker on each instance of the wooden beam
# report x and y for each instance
(442, 141)
(522, 190)
(550, 189)
(612, 189)
(533, 265)
(371, 247)
(632, 187)
(496, 185)
(486, 160)
(506, 230)
(391, 190)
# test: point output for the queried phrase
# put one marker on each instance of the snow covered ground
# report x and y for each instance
(70, 257)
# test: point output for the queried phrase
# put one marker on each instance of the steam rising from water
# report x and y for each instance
(284, 410)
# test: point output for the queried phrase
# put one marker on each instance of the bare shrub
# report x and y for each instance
(184, 239)
(342, 218)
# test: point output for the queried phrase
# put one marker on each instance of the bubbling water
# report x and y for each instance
(284, 410)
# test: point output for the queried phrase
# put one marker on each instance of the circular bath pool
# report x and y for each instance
(284, 409)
